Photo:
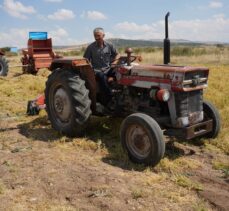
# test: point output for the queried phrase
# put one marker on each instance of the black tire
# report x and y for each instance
(30, 69)
(67, 102)
(147, 147)
(210, 112)
(4, 68)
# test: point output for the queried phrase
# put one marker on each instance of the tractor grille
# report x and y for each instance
(188, 103)
(196, 78)
(190, 75)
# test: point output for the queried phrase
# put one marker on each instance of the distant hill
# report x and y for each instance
(123, 43)
(120, 43)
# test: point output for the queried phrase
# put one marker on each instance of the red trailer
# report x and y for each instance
(39, 54)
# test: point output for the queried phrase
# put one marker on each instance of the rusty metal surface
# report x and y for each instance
(39, 46)
(1, 53)
(169, 68)
(181, 78)
(80, 62)
(68, 63)
(71, 60)
(177, 89)
(39, 54)
(192, 131)
(199, 129)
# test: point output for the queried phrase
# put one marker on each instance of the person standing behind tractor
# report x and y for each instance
(102, 56)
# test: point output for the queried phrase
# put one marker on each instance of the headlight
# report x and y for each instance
(163, 95)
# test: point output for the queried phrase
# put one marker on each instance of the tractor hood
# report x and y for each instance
(179, 78)
(167, 68)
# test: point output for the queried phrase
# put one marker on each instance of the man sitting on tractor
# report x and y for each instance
(102, 56)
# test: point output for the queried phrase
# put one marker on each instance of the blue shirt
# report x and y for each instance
(100, 57)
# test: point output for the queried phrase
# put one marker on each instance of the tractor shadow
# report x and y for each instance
(176, 148)
(104, 131)
(39, 129)
(18, 74)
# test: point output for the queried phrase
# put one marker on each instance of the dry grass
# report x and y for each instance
(184, 181)
(222, 165)
(102, 137)
(2, 188)
(17, 89)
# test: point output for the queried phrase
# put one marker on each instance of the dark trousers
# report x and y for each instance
(104, 86)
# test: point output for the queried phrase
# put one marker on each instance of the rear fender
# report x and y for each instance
(68, 63)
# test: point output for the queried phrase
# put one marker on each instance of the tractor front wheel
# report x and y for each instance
(210, 112)
(67, 102)
(142, 138)
(3, 66)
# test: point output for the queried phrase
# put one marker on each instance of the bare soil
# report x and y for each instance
(42, 170)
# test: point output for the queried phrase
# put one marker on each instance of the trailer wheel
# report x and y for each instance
(30, 69)
(67, 102)
(3, 66)
(210, 112)
(142, 138)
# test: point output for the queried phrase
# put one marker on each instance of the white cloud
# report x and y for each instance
(62, 14)
(14, 37)
(215, 4)
(17, 9)
(109, 35)
(133, 27)
(93, 15)
(61, 37)
(58, 33)
(212, 29)
(219, 16)
(131, 30)
(18, 37)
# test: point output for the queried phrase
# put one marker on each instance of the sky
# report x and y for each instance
(71, 22)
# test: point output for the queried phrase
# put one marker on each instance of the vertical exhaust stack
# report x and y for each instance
(166, 41)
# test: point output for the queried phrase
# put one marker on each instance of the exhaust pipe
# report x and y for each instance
(166, 41)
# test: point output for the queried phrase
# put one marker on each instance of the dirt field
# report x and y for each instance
(43, 170)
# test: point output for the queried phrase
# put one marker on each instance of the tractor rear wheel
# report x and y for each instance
(210, 112)
(3, 66)
(67, 102)
(142, 138)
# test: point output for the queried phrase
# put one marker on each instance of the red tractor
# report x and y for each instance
(154, 99)
(3, 65)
